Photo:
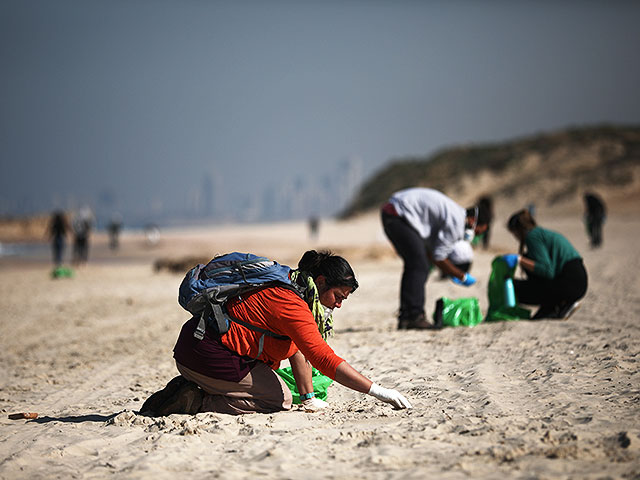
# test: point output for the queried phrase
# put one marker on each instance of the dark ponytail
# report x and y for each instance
(520, 224)
(335, 269)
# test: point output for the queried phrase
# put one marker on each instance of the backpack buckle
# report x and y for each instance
(200, 329)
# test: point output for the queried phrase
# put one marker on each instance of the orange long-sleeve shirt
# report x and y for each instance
(281, 311)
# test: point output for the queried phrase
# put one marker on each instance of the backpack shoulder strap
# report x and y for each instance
(219, 315)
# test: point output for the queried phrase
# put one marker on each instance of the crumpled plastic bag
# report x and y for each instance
(61, 272)
(457, 312)
(320, 383)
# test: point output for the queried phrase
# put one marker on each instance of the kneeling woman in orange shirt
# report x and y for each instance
(221, 373)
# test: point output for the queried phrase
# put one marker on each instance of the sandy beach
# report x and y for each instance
(546, 399)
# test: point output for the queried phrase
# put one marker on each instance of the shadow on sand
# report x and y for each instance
(75, 419)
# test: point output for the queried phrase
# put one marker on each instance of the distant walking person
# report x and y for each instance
(556, 277)
(82, 226)
(595, 214)
(424, 226)
(58, 230)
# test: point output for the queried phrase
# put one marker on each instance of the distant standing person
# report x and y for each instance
(556, 276)
(58, 230)
(487, 203)
(314, 226)
(115, 225)
(82, 226)
(424, 225)
(595, 214)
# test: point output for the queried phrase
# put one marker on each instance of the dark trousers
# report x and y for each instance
(594, 227)
(58, 250)
(411, 248)
(485, 237)
(81, 249)
(569, 286)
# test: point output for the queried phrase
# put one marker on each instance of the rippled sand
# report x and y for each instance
(550, 399)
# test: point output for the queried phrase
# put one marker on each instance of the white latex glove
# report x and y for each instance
(313, 404)
(388, 395)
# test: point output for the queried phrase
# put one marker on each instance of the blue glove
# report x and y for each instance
(511, 259)
(467, 281)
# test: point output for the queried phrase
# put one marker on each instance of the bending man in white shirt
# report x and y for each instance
(424, 225)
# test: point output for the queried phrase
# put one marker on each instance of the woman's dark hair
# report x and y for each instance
(335, 269)
(521, 223)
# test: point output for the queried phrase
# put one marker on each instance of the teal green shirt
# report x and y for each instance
(549, 250)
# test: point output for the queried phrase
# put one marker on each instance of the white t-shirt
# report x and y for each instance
(436, 218)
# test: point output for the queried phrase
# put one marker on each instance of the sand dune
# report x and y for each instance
(549, 399)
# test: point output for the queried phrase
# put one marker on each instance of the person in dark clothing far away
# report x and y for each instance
(595, 214)
(58, 230)
(487, 203)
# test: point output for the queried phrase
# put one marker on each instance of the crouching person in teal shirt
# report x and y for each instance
(555, 275)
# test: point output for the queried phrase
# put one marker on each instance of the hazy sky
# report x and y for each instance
(140, 98)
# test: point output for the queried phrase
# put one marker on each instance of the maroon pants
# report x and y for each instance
(260, 391)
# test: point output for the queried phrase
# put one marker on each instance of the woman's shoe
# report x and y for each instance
(187, 399)
(151, 404)
(566, 312)
(545, 311)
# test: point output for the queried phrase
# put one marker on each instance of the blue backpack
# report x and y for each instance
(206, 289)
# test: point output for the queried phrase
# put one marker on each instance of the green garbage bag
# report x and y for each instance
(320, 383)
(498, 309)
(61, 272)
(457, 312)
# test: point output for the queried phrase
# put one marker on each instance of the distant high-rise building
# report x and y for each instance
(207, 196)
(217, 197)
(302, 197)
(350, 180)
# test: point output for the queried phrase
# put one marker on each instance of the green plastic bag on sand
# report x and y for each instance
(460, 312)
(498, 310)
(61, 272)
(320, 383)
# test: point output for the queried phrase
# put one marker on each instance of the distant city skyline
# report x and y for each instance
(293, 198)
(252, 111)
